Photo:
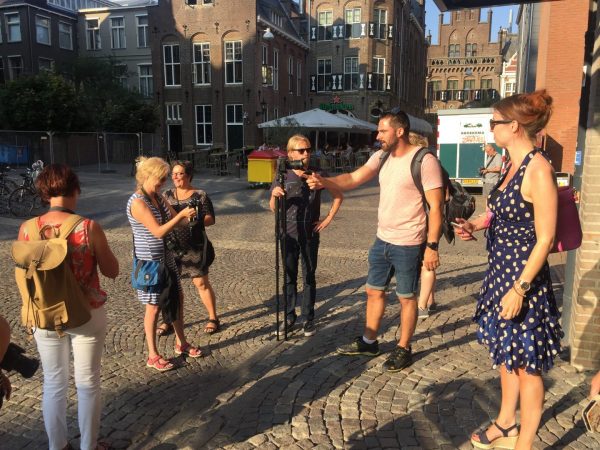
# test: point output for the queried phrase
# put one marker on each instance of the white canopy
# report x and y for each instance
(317, 119)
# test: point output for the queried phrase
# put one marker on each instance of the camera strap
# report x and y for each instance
(163, 216)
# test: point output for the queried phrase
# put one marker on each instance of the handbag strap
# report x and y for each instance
(163, 216)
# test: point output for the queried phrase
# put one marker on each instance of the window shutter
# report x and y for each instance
(313, 83)
(370, 85)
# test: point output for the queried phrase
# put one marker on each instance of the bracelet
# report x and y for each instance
(518, 293)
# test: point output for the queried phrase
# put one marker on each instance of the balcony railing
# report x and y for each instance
(464, 61)
(465, 95)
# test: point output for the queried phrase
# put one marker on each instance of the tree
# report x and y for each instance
(42, 102)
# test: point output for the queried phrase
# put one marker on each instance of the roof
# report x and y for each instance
(265, 9)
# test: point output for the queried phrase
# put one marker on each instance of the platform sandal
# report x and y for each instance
(505, 441)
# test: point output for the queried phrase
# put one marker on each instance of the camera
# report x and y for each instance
(481, 169)
(284, 164)
(173, 246)
(14, 359)
(199, 218)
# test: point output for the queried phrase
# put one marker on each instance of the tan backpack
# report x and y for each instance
(52, 297)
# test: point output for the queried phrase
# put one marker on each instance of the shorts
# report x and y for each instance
(404, 260)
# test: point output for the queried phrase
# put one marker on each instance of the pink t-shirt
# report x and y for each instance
(401, 215)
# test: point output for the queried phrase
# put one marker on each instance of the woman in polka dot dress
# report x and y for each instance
(516, 311)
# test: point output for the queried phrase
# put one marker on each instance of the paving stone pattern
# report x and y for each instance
(253, 391)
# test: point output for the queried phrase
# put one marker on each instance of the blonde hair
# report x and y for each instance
(294, 140)
(417, 139)
(150, 167)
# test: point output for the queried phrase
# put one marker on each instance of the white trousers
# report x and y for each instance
(87, 342)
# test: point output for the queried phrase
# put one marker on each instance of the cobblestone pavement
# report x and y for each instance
(254, 391)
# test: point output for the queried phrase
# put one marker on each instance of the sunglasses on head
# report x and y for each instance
(493, 122)
(303, 150)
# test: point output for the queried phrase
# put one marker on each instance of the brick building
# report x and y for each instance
(366, 55)
(465, 66)
(220, 68)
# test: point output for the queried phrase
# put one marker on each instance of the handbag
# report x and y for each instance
(568, 227)
(591, 415)
(147, 276)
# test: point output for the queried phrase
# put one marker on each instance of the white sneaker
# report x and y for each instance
(423, 313)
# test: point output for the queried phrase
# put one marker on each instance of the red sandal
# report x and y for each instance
(159, 363)
(188, 349)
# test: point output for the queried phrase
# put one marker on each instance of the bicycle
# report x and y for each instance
(25, 200)
(6, 187)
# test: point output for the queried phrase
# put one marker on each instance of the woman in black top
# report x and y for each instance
(199, 252)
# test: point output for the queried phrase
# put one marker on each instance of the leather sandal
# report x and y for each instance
(159, 363)
(212, 326)
(189, 350)
(505, 441)
(164, 329)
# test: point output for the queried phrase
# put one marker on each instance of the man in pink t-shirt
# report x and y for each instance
(405, 238)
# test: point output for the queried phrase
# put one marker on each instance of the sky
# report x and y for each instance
(499, 18)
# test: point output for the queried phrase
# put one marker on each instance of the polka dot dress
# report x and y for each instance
(532, 339)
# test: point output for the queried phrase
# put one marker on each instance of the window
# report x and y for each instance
(471, 50)
(204, 124)
(45, 64)
(509, 89)
(275, 113)
(351, 74)
(323, 74)
(202, 63)
(277, 18)
(276, 70)
(65, 35)
(353, 23)
(299, 79)
(325, 29)
(469, 84)
(92, 27)
(117, 32)
(172, 65)
(379, 74)
(454, 51)
(142, 31)
(291, 74)
(436, 85)
(42, 30)
(486, 83)
(121, 75)
(13, 27)
(15, 67)
(145, 76)
(380, 20)
(173, 112)
(233, 62)
(452, 85)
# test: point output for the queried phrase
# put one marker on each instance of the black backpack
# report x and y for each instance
(459, 203)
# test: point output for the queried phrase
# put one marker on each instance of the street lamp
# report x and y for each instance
(268, 35)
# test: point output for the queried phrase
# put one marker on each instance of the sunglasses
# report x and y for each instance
(493, 123)
(303, 150)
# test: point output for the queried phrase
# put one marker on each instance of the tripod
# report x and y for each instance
(280, 247)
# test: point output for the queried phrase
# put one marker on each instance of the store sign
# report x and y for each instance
(336, 104)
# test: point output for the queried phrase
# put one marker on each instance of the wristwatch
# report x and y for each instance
(433, 245)
(523, 285)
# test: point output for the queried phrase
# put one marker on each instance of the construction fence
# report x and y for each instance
(21, 148)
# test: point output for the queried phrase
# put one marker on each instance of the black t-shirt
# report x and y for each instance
(303, 205)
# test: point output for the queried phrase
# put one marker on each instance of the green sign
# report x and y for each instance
(336, 106)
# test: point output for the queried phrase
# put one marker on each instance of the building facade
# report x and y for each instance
(465, 66)
(217, 74)
(122, 34)
(366, 55)
(36, 35)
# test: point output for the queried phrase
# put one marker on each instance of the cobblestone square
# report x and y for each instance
(253, 391)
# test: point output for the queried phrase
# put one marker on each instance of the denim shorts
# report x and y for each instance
(404, 260)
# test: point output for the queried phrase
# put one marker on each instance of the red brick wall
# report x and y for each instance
(559, 70)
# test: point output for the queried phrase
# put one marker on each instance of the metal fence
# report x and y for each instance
(77, 148)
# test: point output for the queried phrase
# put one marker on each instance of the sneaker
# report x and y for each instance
(290, 326)
(423, 313)
(309, 328)
(359, 347)
(399, 359)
